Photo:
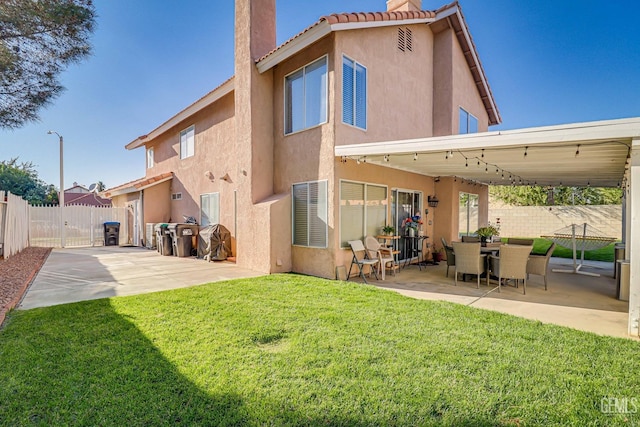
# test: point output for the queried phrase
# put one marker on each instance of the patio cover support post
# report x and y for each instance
(633, 243)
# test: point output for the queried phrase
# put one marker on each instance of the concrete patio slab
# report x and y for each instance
(78, 274)
(581, 302)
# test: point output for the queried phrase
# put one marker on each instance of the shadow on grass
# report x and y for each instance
(85, 364)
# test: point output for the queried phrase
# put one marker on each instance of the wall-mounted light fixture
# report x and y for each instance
(432, 201)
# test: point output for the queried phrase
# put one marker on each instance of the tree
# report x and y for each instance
(544, 196)
(38, 40)
(22, 180)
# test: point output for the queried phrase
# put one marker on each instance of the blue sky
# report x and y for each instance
(547, 61)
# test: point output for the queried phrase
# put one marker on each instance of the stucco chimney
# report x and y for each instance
(404, 5)
(255, 36)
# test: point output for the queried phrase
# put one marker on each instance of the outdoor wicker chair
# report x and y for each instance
(538, 264)
(469, 260)
(511, 263)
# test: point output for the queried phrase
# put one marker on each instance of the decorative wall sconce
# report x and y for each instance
(433, 201)
(209, 175)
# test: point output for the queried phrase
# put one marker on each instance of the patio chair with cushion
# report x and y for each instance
(538, 264)
(361, 258)
(469, 260)
(470, 239)
(510, 263)
(519, 241)
(383, 254)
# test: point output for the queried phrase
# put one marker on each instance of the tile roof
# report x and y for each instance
(357, 17)
(140, 183)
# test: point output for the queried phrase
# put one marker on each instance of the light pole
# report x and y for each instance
(61, 196)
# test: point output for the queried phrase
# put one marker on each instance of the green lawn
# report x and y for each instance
(296, 350)
(541, 245)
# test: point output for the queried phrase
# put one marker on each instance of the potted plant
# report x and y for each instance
(438, 254)
(487, 232)
(388, 230)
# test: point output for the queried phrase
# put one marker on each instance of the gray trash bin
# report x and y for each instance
(624, 279)
(183, 246)
(618, 254)
(181, 236)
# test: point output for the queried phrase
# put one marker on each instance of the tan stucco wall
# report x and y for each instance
(157, 203)
(465, 92)
(446, 215)
(443, 83)
(255, 36)
(399, 84)
(454, 86)
(213, 152)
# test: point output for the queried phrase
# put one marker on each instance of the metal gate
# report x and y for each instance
(84, 225)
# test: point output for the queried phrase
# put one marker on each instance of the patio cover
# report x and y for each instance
(579, 154)
(598, 154)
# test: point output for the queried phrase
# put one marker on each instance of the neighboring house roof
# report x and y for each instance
(86, 199)
(77, 188)
(348, 21)
(138, 184)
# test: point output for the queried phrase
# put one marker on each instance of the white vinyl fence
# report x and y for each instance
(14, 224)
(84, 225)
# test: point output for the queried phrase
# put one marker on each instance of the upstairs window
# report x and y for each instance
(354, 93)
(468, 122)
(149, 158)
(187, 142)
(305, 93)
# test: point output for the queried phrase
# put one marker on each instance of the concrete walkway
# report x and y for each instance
(78, 274)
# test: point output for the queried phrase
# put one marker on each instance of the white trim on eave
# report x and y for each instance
(224, 89)
(619, 129)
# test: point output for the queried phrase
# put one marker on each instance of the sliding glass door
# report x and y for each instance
(404, 204)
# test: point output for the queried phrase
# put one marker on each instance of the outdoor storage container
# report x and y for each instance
(111, 233)
(618, 254)
(182, 238)
(163, 239)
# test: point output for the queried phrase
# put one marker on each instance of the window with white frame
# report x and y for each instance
(310, 214)
(363, 210)
(149, 157)
(354, 93)
(468, 122)
(209, 208)
(187, 142)
(306, 94)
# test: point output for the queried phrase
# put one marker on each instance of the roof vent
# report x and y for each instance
(405, 40)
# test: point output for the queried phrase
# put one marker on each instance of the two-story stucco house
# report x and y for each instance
(256, 154)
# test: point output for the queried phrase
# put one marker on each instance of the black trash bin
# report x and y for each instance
(111, 233)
